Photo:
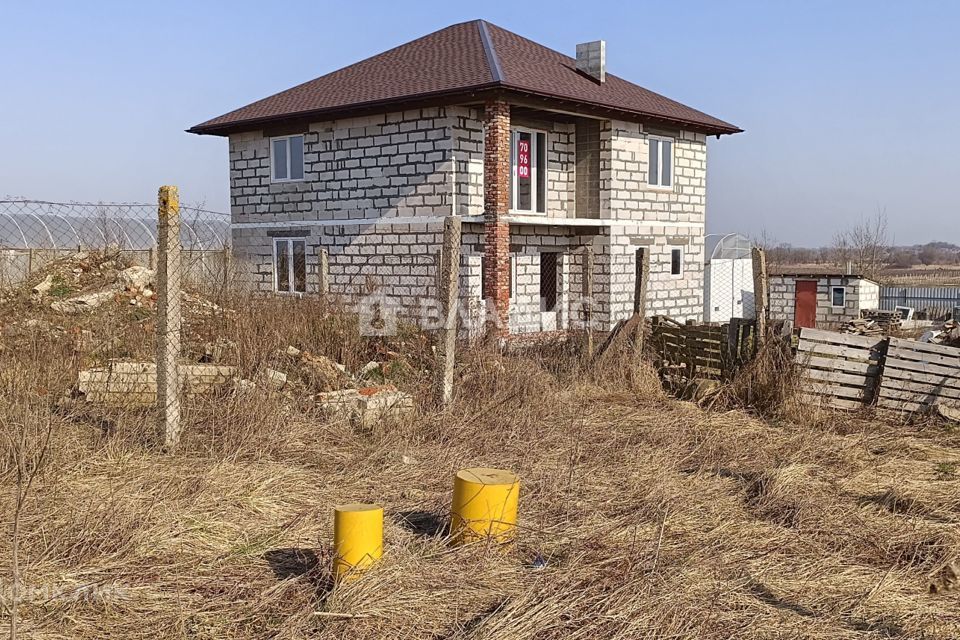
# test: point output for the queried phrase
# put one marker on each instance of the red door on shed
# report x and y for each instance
(805, 307)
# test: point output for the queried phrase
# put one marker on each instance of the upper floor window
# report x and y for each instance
(660, 162)
(528, 170)
(290, 265)
(286, 158)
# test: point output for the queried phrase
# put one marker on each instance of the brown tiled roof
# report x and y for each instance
(463, 58)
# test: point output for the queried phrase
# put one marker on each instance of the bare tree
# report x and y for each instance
(867, 245)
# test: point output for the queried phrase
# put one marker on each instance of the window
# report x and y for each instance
(548, 281)
(676, 261)
(286, 155)
(838, 297)
(528, 170)
(660, 162)
(290, 265)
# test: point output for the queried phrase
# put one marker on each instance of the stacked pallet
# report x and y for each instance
(839, 370)
(888, 321)
(919, 375)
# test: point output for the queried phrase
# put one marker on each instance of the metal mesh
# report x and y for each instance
(728, 278)
(34, 233)
(127, 281)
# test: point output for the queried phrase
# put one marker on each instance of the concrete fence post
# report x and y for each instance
(168, 314)
(588, 296)
(761, 293)
(449, 298)
(323, 271)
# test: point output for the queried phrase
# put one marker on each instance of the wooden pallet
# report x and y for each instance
(917, 375)
(700, 350)
(839, 370)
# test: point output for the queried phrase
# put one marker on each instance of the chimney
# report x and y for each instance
(592, 59)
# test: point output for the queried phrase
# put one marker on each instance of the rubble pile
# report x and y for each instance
(862, 327)
(948, 334)
(82, 298)
(316, 381)
(888, 321)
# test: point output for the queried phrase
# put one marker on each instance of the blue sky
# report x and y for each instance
(848, 106)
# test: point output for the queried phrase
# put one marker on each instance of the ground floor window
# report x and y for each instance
(676, 261)
(838, 297)
(290, 265)
(548, 281)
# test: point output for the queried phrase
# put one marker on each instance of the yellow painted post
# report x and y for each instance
(484, 505)
(357, 538)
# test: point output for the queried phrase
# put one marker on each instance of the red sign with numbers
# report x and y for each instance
(523, 158)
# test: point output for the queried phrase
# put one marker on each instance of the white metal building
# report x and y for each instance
(727, 278)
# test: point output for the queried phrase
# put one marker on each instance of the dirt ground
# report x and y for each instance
(641, 516)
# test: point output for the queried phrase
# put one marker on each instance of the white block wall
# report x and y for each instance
(426, 163)
(394, 164)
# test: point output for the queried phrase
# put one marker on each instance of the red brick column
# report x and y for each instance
(496, 204)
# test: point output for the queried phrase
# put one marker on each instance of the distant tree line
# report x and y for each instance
(866, 247)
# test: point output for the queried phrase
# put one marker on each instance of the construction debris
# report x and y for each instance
(320, 373)
(888, 321)
(949, 334)
(862, 327)
(137, 277)
(45, 285)
(135, 383)
(368, 406)
(273, 379)
(86, 302)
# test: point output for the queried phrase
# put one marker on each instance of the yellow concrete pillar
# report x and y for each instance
(357, 538)
(484, 505)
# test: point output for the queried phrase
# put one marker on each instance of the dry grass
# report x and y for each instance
(657, 519)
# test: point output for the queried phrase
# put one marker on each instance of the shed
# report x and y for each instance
(823, 300)
(727, 278)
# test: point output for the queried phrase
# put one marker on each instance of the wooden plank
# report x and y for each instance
(841, 364)
(836, 350)
(914, 345)
(920, 356)
(913, 376)
(832, 337)
(918, 387)
(900, 405)
(921, 367)
(838, 403)
(840, 378)
(855, 393)
(927, 396)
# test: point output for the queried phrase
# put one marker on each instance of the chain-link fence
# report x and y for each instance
(34, 233)
(121, 284)
(132, 314)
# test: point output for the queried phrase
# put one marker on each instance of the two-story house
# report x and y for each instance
(344, 181)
